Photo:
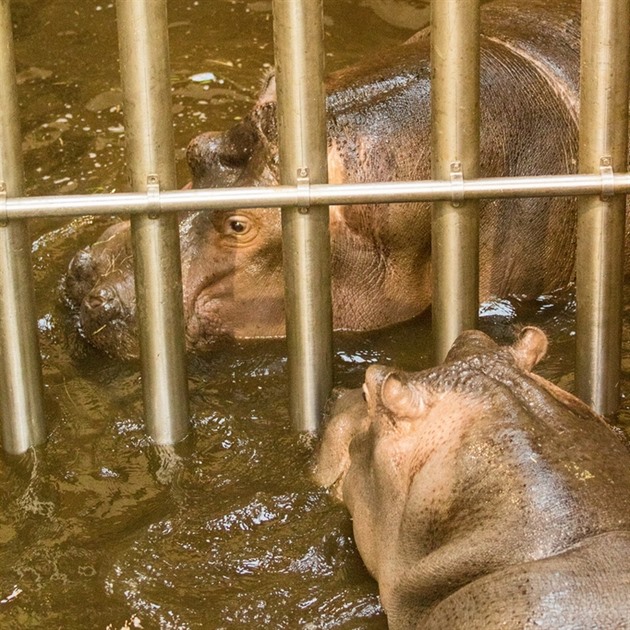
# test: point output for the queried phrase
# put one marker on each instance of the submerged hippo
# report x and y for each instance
(378, 130)
(483, 496)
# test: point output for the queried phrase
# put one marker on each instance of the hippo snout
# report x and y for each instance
(80, 277)
(85, 290)
(103, 300)
(82, 263)
(99, 287)
(108, 319)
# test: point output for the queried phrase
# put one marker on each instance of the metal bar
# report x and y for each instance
(605, 73)
(298, 45)
(455, 154)
(316, 194)
(267, 197)
(20, 363)
(145, 72)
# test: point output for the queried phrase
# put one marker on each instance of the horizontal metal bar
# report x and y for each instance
(318, 194)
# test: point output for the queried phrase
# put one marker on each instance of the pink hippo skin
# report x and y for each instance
(483, 496)
(378, 130)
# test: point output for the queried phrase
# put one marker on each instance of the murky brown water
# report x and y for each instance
(227, 530)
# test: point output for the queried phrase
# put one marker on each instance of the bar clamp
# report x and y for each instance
(457, 184)
(607, 176)
(153, 196)
(4, 215)
(303, 195)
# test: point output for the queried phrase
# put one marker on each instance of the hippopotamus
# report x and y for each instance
(482, 495)
(378, 114)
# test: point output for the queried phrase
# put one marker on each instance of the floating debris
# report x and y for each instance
(203, 77)
(105, 100)
(33, 74)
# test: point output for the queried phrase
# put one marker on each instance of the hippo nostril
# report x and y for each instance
(100, 298)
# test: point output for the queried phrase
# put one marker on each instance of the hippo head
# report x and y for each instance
(392, 452)
(383, 420)
(231, 259)
(481, 494)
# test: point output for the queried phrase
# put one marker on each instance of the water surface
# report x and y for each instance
(98, 528)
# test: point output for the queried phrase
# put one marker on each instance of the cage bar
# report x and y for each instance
(21, 386)
(299, 57)
(145, 73)
(605, 69)
(455, 155)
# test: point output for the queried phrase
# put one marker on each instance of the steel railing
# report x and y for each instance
(605, 73)
(304, 197)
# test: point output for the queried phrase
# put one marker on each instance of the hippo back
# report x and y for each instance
(379, 129)
(542, 594)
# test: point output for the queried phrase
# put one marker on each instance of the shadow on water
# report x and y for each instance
(100, 529)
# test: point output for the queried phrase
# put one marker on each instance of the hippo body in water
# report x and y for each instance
(378, 130)
(482, 495)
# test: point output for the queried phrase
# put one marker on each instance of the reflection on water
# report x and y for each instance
(98, 528)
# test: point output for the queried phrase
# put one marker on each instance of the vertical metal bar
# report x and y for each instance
(298, 37)
(20, 362)
(601, 220)
(455, 154)
(145, 72)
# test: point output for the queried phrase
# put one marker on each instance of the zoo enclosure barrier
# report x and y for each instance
(304, 196)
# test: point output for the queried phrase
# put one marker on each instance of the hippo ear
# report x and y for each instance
(530, 347)
(374, 377)
(404, 399)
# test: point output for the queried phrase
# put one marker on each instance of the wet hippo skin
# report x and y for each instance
(483, 496)
(378, 130)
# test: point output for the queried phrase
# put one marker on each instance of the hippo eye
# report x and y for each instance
(236, 225)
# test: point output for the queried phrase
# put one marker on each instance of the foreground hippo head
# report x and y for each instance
(482, 495)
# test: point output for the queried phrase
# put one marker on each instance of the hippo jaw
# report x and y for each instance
(106, 314)
(215, 314)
